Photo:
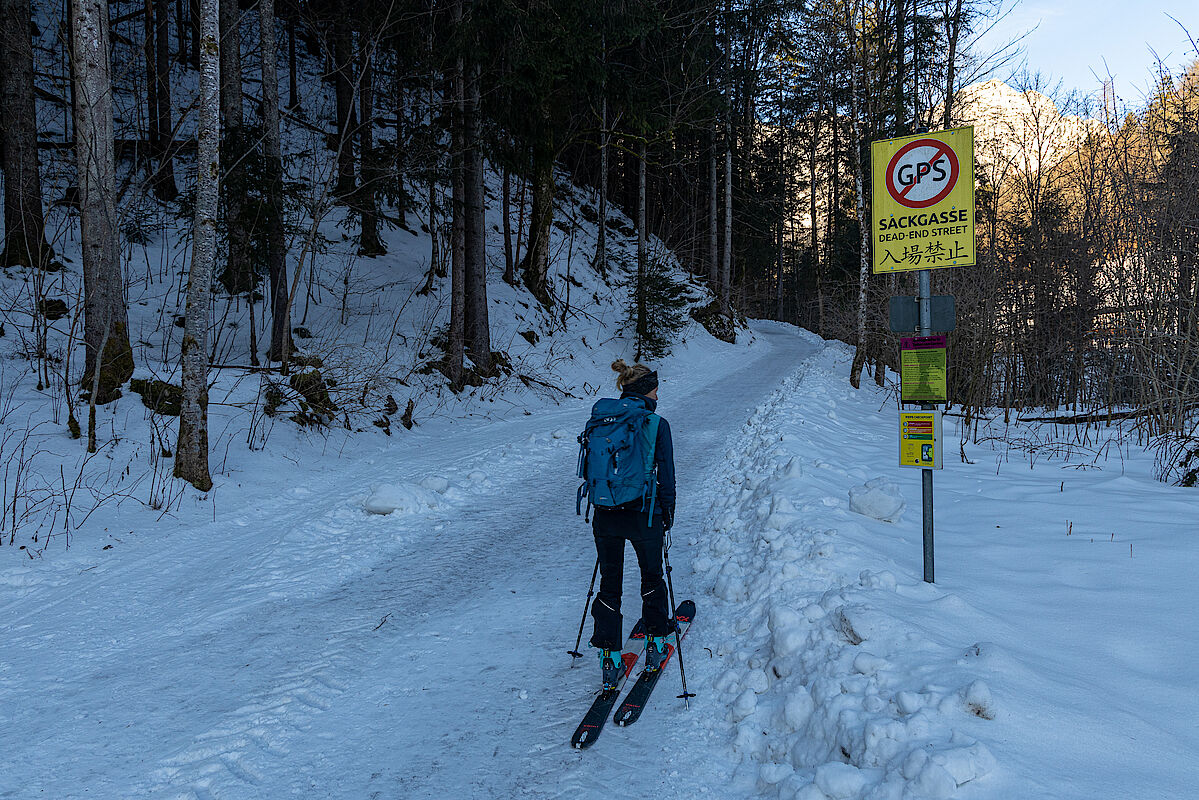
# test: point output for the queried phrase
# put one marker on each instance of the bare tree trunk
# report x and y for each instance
(369, 243)
(506, 206)
(859, 359)
(713, 219)
(237, 274)
(953, 30)
(109, 357)
(24, 224)
(181, 29)
(151, 64)
(436, 265)
(457, 334)
(901, 26)
(194, 15)
(343, 90)
(536, 261)
(273, 153)
(293, 84)
(642, 322)
(191, 451)
(782, 199)
(164, 178)
(815, 243)
(601, 244)
(726, 263)
(478, 333)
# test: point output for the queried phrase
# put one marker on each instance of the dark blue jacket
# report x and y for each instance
(663, 456)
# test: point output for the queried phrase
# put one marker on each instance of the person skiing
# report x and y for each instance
(643, 521)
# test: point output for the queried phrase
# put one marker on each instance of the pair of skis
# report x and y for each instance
(630, 710)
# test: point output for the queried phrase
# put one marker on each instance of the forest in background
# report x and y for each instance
(736, 133)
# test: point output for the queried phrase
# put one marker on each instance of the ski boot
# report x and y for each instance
(612, 666)
(655, 652)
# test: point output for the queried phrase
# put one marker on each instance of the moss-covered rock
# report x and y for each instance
(53, 308)
(301, 360)
(159, 396)
(716, 322)
(312, 387)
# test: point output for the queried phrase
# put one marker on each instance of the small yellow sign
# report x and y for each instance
(923, 201)
(920, 439)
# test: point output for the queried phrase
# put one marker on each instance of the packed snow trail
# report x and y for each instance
(300, 647)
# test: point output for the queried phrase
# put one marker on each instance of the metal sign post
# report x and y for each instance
(926, 475)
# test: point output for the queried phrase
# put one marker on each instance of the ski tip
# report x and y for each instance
(686, 611)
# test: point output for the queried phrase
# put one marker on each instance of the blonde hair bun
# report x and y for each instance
(627, 374)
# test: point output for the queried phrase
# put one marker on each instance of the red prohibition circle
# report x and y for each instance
(943, 149)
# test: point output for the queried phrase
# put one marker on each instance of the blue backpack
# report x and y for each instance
(616, 455)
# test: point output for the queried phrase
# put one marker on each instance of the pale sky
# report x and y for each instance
(1073, 39)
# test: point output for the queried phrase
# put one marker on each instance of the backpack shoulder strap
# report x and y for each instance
(651, 431)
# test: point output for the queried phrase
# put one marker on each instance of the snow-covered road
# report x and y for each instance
(275, 640)
(298, 646)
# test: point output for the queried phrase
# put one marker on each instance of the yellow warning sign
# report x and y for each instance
(923, 200)
(920, 439)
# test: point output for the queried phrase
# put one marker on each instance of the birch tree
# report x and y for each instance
(191, 451)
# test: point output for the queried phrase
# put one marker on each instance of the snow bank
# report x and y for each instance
(405, 498)
(830, 693)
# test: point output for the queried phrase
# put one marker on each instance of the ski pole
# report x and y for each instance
(590, 591)
(678, 639)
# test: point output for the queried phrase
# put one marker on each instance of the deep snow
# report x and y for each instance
(299, 645)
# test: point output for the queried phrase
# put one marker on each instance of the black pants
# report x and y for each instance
(612, 529)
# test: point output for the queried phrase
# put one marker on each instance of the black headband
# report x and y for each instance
(643, 385)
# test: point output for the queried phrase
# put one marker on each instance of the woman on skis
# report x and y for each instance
(642, 522)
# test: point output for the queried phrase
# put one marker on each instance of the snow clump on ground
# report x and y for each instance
(878, 499)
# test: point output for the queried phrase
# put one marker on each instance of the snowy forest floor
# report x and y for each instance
(281, 641)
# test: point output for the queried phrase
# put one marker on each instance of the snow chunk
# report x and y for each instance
(879, 499)
(436, 483)
(965, 764)
(771, 774)
(561, 433)
(781, 618)
(909, 702)
(839, 781)
(405, 498)
(979, 702)
(866, 664)
(757, 681)
(878, 580)
(797, 709)
(745, 704)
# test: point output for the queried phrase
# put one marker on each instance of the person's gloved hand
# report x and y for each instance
(667, 518)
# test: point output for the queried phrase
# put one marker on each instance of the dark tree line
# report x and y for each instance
(735, 131)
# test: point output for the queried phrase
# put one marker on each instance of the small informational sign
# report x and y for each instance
(903, 313)
(922, 370)
(920, 439)
(923, 201)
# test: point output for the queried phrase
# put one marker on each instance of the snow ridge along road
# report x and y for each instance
(831, 691)
(301, 646)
